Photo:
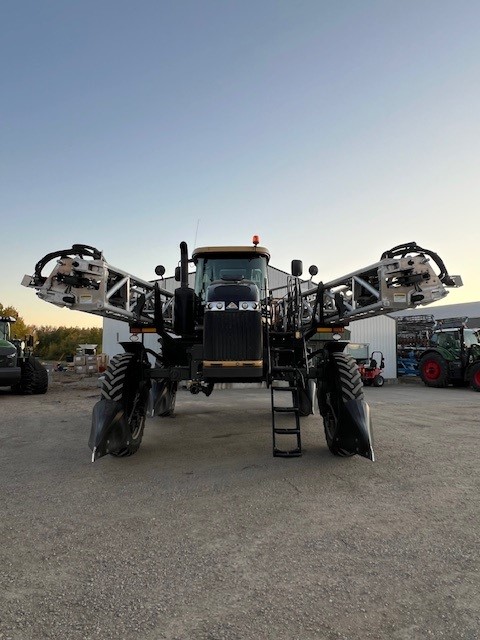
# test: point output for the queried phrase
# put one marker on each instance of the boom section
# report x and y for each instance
(388, 285)
(94, 286)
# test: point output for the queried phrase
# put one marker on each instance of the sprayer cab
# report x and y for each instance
(224, 265)
(231, 286)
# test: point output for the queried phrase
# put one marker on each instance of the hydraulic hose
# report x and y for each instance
(82, 250)
(403, 250)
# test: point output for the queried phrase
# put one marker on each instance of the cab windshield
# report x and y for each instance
(447, 339)
(470, 337)
(231, 269)
(4, 331)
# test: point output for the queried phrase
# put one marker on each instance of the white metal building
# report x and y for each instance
(380, 333)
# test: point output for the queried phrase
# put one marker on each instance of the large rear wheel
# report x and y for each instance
(475, 377)
(433, 370)
(124, 383)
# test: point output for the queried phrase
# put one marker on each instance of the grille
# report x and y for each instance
(233, 335)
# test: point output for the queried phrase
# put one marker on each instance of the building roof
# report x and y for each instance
(470, 310)
(465, 309)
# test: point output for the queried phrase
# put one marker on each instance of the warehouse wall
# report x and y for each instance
(381, 333)
(115, 331)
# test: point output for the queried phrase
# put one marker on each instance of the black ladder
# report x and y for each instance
(294, 430)
(285, 373)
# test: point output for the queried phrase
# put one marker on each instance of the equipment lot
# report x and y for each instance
(204, 535)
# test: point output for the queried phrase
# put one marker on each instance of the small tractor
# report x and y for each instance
(371, 371)
(230, 327)
(19, 369)
(453, 356)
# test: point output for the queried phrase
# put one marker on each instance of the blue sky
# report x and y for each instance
(334, 130)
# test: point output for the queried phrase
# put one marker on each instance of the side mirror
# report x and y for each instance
(313, 270)
(297, 268)
(178, 274)
(160, 270)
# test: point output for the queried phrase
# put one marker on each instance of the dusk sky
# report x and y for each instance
(334, 130)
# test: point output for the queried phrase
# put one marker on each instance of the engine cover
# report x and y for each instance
(233, 333)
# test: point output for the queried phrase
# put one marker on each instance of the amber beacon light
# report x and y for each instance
(256, 240)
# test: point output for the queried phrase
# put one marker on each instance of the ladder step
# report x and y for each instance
(285, 409)
(294, 453)
(283, 368)
(286, 431)
(284, 388)
(282, 349)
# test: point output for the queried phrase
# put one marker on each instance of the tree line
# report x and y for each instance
(53, 343)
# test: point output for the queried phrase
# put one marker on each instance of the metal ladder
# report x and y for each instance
(282, 373)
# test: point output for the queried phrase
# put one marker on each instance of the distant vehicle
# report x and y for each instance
(371, 366)
(19, 369)
(371, 371)
(453, 356)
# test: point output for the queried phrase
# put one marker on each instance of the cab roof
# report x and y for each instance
(205, 251)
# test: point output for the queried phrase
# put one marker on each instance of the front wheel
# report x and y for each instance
(378, 381)
(433, 370)
(123, 383)
(343, 384)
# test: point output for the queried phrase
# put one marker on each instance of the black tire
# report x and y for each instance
(475, 377)
(26, 385)
(33, 380)
(378, 381)
(41, 378)
(343, 382)
(433, 370)
(123, 383)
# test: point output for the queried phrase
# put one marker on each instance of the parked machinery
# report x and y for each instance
(19, 369)
(452, 357)
(413, 337)
(229, 327)
(371, 371)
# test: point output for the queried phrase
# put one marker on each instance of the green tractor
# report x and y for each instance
(453, 356)
(19, 369)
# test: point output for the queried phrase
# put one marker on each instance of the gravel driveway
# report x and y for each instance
(204, 535)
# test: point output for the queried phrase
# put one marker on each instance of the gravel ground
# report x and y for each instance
(203, 535)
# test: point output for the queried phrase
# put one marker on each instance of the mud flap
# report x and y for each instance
(109, 432)
(354, 432)
(305, 404)
(162, 397)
